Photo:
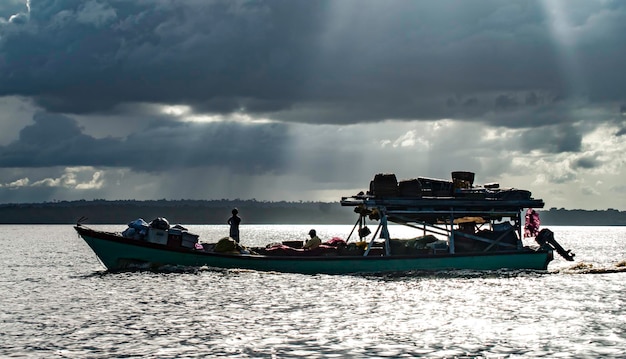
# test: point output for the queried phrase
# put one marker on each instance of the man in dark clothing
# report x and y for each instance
(234, 225)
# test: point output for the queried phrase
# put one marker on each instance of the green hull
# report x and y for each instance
(117, 253)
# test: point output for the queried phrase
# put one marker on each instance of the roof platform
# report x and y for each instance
(440, 209)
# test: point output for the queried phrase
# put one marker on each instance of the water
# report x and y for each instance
(58, 302)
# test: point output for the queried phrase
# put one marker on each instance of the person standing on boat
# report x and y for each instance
(234, 225)
(314, 242)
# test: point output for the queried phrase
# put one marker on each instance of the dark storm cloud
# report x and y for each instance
(504, 101)
(79, 56)
(553, 139)
(316, 61)
(9, 8)
(588, 162)
(57, 140)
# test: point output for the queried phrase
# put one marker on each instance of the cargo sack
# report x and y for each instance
(160, 223)
(138, 224)
(225, 244)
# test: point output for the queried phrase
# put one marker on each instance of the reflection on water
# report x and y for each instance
(58, 302)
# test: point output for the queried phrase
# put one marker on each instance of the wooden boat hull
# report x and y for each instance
(119, 253)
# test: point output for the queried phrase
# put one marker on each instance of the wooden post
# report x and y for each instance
(451, 244)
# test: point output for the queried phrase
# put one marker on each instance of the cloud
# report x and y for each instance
(22, 182)
(57, 140)
(10, 8)
(76, 178)
(552, 139)
(589, 191)
(319, 162)
(84, 57)
(95, 13)
(588, 162)
(317, 62)
(505, 101)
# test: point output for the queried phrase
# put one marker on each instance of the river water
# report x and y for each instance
(57, 301)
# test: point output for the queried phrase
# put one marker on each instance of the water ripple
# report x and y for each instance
(57, 302)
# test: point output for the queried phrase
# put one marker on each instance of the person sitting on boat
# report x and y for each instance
(234, 225)
(314, 242)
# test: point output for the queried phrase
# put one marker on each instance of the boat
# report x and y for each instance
(459, 225)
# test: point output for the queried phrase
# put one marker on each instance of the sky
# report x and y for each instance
(308, 100)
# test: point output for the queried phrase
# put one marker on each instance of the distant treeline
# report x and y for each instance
(178, 211)
(579, 217)
(251, 211)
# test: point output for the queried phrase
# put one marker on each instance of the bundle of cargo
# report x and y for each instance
(159, 231)
(137, 229)
(509, 194)
(462, 179)
(384, 185)
(410, 188)
(433, 187)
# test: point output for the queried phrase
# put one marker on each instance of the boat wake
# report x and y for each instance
(589, 268)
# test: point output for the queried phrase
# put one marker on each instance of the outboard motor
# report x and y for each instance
(546, 237)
